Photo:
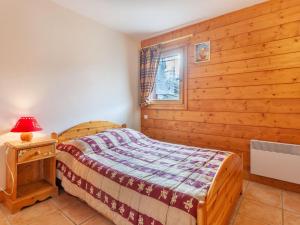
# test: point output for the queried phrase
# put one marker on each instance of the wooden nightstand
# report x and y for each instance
(33, 168)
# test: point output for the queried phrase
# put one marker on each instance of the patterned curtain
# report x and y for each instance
(149, 59)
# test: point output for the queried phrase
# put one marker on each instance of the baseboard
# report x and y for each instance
(273, 182)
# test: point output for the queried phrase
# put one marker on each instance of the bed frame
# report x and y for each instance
(85, 129)
(223, 194)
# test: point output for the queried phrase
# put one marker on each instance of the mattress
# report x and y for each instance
(133, 179)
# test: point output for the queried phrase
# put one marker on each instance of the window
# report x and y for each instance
(169, 88)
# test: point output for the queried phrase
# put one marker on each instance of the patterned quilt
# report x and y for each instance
(133, 179)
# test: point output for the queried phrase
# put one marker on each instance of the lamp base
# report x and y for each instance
(26, 136)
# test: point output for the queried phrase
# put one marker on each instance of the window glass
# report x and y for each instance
(168, 77)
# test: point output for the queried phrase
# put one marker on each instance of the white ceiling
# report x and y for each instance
(145, 18)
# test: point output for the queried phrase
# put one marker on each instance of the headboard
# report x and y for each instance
(85, 129)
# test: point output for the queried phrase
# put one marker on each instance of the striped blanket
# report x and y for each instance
(133, 179)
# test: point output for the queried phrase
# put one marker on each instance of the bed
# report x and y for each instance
(133, 179)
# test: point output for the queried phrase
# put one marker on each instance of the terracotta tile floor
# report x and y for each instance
(259, 205)
(265, 205)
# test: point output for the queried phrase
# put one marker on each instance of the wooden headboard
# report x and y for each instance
(85, 129)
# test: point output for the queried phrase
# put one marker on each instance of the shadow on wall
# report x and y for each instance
(134, 84)
(8, 116)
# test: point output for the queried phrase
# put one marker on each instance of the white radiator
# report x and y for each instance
(275, 160)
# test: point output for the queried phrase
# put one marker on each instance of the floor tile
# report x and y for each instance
(244, 220)
(28, 215)
(55, 218)
(291, 218)
(79, 212)
(291, 201)
(255, 207)
(98, 220)
(261, 212)
(64, 200)
(264, 194)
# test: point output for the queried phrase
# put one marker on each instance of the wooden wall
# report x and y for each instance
(250, 89)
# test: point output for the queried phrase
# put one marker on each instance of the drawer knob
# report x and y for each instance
(37, 153)
(21, 153)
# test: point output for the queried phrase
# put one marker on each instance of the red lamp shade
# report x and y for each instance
(26, 124)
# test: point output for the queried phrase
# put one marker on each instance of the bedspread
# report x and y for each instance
(133, 179)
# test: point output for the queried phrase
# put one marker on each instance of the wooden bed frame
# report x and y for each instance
(223, 194)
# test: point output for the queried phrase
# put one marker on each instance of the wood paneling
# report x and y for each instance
(226, 130)
(256, 23)
(246, 105)
(230, 18)
(260, 36)
(251, 119)
(274, 62)
(248, 92)
(283, 76)
(253, 51)
(250, 89)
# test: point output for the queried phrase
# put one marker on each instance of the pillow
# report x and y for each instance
(123, 135)
(105, 140)
(114, 137)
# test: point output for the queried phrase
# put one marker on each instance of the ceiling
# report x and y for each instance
(145, 18)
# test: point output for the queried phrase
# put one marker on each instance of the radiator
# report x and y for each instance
(275, 160)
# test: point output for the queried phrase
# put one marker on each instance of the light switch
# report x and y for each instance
(145, 117)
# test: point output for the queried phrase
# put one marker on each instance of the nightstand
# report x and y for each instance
(32, 167)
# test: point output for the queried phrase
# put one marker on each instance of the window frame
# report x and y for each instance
(182, 102)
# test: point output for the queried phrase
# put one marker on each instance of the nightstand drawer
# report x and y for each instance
(31, 154)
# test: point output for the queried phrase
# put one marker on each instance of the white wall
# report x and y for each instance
(63, 68)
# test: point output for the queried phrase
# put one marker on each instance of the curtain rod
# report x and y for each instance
(166, 42)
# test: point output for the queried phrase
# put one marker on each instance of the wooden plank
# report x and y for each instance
(203, 140)
(255, 23)
(273, 91)
(282, 76)
(252, 119)
(269, 34)
(251, 12)
(277, 47)
(230, 18)
(248, 105)
(290, 60)
(227, 130)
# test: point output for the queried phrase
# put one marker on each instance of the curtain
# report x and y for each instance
(149, 60)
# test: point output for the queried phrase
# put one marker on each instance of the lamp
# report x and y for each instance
(26, 125)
